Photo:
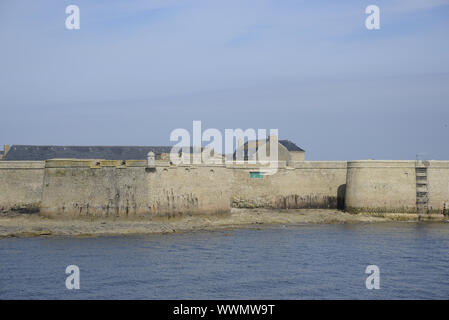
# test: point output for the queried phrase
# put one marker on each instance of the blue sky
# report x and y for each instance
(136, 70)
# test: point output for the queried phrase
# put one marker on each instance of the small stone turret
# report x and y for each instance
(151, 160)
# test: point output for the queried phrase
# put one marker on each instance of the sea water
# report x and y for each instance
(278, 262)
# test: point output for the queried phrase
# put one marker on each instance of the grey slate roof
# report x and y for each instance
(291, 146)
(38, 153)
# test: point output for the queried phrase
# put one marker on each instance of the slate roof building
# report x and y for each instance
(39, 153)
(287, 150)
(291, 146)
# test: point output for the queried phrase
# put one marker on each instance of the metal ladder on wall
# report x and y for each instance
(422, 187)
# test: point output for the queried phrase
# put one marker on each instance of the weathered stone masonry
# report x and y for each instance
(21, 185)
(110, 188)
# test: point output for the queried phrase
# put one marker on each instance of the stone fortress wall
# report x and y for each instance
(397, 186)
(110, 188)
(21, 185)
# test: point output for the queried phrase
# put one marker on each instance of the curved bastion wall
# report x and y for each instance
(381, 186)
(397, 186)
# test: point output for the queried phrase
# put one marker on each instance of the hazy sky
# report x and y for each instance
(136, 70)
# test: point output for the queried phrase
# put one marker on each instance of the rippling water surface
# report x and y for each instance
(293, 262)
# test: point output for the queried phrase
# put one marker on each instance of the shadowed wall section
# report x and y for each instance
(307, 184)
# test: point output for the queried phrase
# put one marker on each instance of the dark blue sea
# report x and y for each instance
(282, 262)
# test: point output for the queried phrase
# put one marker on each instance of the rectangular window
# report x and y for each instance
(256, 175)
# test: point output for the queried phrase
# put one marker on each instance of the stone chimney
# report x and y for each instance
(6, 148)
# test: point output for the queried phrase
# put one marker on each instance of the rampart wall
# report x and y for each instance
(106, 188)
(381, 186)
(392, 186)
(21, 185)
(438, 177)
(308, 184)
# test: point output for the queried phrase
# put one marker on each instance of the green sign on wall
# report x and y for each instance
(256, 175)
